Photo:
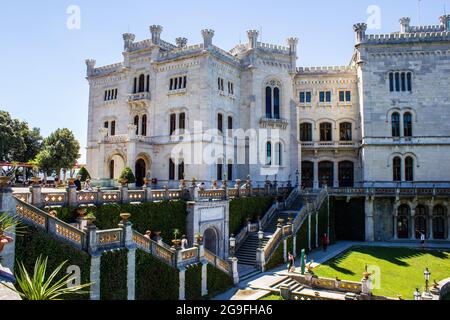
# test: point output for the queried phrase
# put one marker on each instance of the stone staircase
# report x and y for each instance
(246, 253)
(287, 281)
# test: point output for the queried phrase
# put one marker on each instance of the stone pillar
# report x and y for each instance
(204, 278)
(92, 239)
(370, 234)
(430, 225)
(72, 196)
(294, 245)
(395, 226)
(448, 223)
(317, 229)
(148, 193)
(182, 280)
(285, 250)
(234, 268)
(123, 193)
(360, 30)
(95, 276)
(316, 175)
(8, 205)
(309, 231)
(412, 225)
(366, 285)
(260, 259)
(131, 273)
(36, 195)
(335, 175)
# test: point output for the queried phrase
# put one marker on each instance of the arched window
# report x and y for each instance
(148, 84)
(403, 222)
(395, 122)
(420, 221)
(409, 169)
(346, 174)
(141, 83)
(230, 172)
(325, 131)
(220, 171)
(113, 128)
(269, 154)
(173, 123)
(397, 169)
(278, 154)
(230, 123)
(144, 125)
(136, 123)
(268, 102)
(439, 224)
(345, 131)
(276, 103)
(135, 85)
(326, 174)
(220, 123)
(182, 121)
(306, 132)
(171, 170)
(307, 174)
(407, 124)
(111, 169)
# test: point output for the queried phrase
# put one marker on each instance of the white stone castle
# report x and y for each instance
(382, 121)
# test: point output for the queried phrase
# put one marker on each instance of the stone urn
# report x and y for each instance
(35, 181)
(125, 217)
(71, 182)
(90, 219)
(176, 244)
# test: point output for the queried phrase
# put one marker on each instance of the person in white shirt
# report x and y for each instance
(184, 243)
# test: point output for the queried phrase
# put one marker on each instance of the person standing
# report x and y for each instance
(77, 183)
(291, 265)
(325, 242)
(184, 243)
(422, 239)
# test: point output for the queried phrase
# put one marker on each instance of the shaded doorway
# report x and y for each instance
(308, 174)
(346, 174)
(210, 241)
(140, 171)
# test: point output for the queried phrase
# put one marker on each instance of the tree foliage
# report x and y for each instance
(127, 174)
(60, 151)
(84, 174)
(18, 142)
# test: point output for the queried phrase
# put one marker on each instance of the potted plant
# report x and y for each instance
(176, 242)
(127, 176)
(8, 223)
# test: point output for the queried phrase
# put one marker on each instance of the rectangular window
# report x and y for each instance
(182, 121)
(113, 128)
(403, 78)
(230, 172)
(328, 96)
(348, 96)
(409, 81)
(219, 172)
(397, 81)
(181, 171)
(220, 122)
(391, 82)
(341, 96)
(171, 170)
(184, 82)
(173, 123)
(302, 97)
(322, 96)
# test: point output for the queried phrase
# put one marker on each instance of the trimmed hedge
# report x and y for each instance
(243, 208)
(193, 283)
(277, 258)
(36, 242)
(113, 275)
(154, 279)
(302, 238)
(218, 281)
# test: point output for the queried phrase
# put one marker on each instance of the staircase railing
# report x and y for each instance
(308, 209)
(152, 247)
(271, 246)
(290, 200)
(218, 262)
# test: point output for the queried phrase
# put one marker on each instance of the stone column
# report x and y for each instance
(72, 196)
(234, 268)
(36, 195)
(370, 235)
(294, 245)
(316, 175)
(285, 250)
(448, 223)
(309, 231)
(336, 174)
(204, 278)
(412, 225)
(182, 286)
(131, 273)
(260, 259)
(8, 205)
(395, 226)
(92, 239)
(123, 193)
(95, 276)
(317, 229)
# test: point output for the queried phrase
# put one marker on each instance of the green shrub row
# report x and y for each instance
(36, 242)
(247, 208)
(218, 281)
(113, 275)
(154, 279)
(193, 282)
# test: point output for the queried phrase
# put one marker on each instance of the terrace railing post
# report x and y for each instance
(98, 200)
(234, 269)
(148, 190)
(72, 200)
(249, 187)
(91, 232)
(123, 193)
(238, 188)
(225, 189)
(166, 193)
(36, 195)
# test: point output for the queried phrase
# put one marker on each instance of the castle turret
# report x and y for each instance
(156, 31)
(252, 39)
(90, 65)
(445, 22)
(181, 42)
(208, 35)
(292, 43)
(360, 30)
(404, 24)
(128, 39)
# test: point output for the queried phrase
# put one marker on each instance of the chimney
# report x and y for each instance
(360, 30)
(90, 64)
(252, 39)
(404, 24)
(208, 35)
(156, 31)
(128, 39)
(445, 22)
(181, 42)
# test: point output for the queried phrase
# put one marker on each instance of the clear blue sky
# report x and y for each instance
(42, 70)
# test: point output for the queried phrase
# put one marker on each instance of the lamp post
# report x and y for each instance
(232, 245)
(260, 238)
(417, 294)
(426, 275)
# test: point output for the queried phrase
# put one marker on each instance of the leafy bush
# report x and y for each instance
(243, 208)
(154, 279)
(218, 281)
(84, 174)
(113, 275)
(35, 243)
(127, 174)
(194, 282)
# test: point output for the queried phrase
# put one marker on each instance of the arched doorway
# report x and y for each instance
(346, 176)
(307, 174)
(140, 172)
(420, 221)
(403, 222)
(326, 174)
(439, 222)
(210, 240)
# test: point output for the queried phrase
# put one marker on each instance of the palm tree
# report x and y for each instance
(38, 287)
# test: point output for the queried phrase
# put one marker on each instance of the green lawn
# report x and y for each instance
(401, 269)
(271, 297)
